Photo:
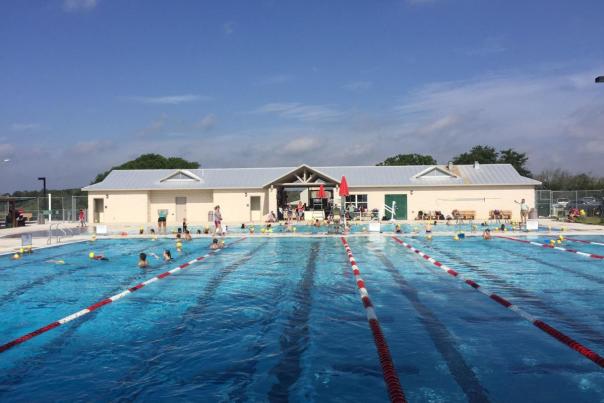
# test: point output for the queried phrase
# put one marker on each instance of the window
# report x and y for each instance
(359, 202)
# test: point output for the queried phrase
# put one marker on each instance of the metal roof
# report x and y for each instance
(357, 176)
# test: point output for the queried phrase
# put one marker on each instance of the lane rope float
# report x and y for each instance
(585, 242)
(393, 384)
(104, 302)
(543, 245)
(550, 330)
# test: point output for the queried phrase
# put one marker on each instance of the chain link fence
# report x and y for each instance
(556, 203)
(36, 209)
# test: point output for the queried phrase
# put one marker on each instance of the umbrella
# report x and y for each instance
(322, 194)
(343, 193)
(344, 187)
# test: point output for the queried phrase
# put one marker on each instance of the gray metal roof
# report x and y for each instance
(357, 176)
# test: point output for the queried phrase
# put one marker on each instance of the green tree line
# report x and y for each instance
(552, 179)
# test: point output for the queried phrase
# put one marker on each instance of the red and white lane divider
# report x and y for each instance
(103, 302)
(395, 391)
(556, 334)
(543, 245)
(584, 241)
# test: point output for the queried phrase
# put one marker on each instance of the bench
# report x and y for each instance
(467, 214)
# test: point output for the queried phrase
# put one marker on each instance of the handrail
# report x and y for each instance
(391, 210)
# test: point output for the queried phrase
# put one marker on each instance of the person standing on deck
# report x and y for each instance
(217, 221)
(524, 210)
(82, 218)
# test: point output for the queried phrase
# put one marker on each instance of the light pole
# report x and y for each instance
(43, 179)
(600, 79)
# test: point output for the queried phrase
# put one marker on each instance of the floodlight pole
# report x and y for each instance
(43, 179)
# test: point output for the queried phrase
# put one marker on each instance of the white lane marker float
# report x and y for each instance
(106, 301)
(543, 245)
(550, 330)
(393, 384)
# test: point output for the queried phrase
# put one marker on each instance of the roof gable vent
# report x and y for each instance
(181, 175)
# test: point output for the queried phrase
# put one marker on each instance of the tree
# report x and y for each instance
(516, 159)
(558, 179)
(481, 154)
(409, 159)
(151, 161)
(488, 155)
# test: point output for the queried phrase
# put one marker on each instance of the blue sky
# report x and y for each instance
(87, 84)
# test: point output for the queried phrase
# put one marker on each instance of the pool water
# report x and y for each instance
(274, 319)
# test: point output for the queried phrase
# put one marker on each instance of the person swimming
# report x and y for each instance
(486, 235)
(100, 257)
(167, 255)
(142, 260)
(215, 244)
(188, 236)
(397, 229)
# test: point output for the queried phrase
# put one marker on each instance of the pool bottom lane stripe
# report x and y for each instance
(585, 242)
(558, 335)
(104, 302)
(395, 391)
(543, 245)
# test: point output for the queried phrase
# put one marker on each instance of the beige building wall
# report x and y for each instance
(235, 204)
(140, 207)
(446, 199)
(129, 207)
(199, 202)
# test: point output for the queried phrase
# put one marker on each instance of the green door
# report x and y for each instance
(401, 206)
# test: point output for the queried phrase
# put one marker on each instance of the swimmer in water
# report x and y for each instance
(167, 255)
(100, 257)
(56, 261)
(215, 244)
(397, 229)
(142, 260)
(188, 236)
(486, 235)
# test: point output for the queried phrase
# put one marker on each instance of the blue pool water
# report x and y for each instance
(271, 319)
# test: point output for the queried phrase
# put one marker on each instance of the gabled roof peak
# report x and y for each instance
(181, 175)
(435, 172)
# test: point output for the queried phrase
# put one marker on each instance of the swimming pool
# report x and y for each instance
(271, 319)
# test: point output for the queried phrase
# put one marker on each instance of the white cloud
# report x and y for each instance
(90, 147)
(555, 118)
(155, 127)
(169, 99)
(20, 127)
(489, 46)
(79, 5)
(228, 27)
(358, 86)
(301, 145)
(301, 112)
(206, 123)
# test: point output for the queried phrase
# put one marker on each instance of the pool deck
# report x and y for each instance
(10, 242)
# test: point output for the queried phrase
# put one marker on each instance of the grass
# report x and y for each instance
(590, 220)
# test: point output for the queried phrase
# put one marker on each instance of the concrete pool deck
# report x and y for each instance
(10, 241)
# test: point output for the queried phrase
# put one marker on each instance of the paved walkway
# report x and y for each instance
(10, 238)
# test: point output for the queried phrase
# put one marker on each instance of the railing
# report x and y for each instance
(391, 210)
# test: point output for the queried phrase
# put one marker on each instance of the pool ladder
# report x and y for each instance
(58, 236)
